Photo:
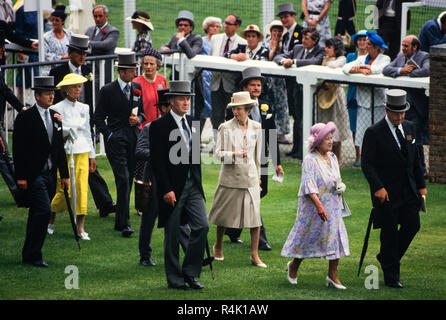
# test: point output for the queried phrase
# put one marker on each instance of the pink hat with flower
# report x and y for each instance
(318, 132)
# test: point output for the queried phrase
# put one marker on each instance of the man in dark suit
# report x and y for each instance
(120, 104)
(412, 62)
(77, 52)
(390, 24)
(38, 151)
(293, 36)
(252, 82)
(103, 40)
(176, 164)
(433, 32)
(391, 164)
(6, 95)
(307, 53)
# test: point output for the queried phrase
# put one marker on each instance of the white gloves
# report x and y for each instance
(340, 188)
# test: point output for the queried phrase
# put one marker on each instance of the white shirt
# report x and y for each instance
(42, 115)
(290, 35)
(73, 68)
(122, 84)
(185, 136)
(76, 116)
(231, 43)
(99, 29)
(251, 53)
(392, 129)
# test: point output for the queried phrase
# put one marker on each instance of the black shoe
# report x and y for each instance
(119, 228)
(105, 212)
(127, 232)
(394, 284)
(194, 284)
(236, 240)
(37, 263)
(183, 287)
(288, 154)
(147, 262)
(265, 247)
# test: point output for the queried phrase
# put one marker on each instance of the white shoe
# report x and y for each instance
(329, 282)
(84, 236)
(217, 258)
(290, 280)
(261, 265)
(50, 229)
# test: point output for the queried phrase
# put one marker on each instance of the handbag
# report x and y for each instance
(142, 195)
(345, 210)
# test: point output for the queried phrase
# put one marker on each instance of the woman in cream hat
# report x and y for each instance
(141, 23)
(76, 118)
(236, 202)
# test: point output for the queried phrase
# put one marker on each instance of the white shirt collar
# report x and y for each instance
(178, 118)
(73, 68)
(391, 126)
(122, 84)
(255, 50)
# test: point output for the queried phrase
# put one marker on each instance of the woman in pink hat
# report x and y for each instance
(319, 230)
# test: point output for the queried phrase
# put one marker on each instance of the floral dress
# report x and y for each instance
(311, 237)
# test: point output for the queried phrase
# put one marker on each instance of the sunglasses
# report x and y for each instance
(184, 25)
(230, 24)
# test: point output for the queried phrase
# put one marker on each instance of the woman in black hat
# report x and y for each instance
(56, 40)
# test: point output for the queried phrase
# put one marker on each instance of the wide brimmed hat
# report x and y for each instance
(180, 88)
(252, 28)
(274, 24)
(141, 17)
(376, 39)
(285, 8)
(59, 11)
(44, 83)
(318, 132)
(185, 15)
(71, 79)
(249, 74)
(79, 42)
(241, 98)
(163, 99)
(361, 33)
(396, 100)
(326, 96)
(127, 60)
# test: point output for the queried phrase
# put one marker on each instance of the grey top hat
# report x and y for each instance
(44, 83)
(180, 88)
(396, 100)
(249, 74)
(127, 60)
(185, 15)
(79, 42)
(285, 8)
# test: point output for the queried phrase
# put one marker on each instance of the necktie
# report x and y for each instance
(48, 125)
(251, 54)
(255, 114)
(126, 91)
(187, 133)
(226, 48)
(403, 143)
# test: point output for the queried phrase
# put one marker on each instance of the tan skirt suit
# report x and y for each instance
(237, 199)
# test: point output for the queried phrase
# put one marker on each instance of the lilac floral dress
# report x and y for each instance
(311, 237)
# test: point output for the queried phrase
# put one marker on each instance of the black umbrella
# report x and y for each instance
(366, 240)
(209, 259)
(73, 223)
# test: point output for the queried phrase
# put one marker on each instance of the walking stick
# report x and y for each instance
(209, 259)
(366, 240)
(73, 223)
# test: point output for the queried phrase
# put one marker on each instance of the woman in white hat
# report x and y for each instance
(236, 202)
(141, 23)
(76, 118)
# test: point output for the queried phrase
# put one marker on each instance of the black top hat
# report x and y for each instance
(163, 100)
(179, 88)
(127, 60)
(79, 42)
(285, 8)
(249, 74)
(44, 83)
(396, 100)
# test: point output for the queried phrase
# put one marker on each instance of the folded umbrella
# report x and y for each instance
(73, 222)
(209, 259)
(366, 240)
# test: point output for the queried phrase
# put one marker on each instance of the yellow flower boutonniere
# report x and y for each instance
(90, 76)
(296, 34)
(264, 107)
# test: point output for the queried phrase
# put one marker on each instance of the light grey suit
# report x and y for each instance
(420, 57)
(314, 57)
(191, 46)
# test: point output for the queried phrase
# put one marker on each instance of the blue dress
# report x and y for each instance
(207, 110)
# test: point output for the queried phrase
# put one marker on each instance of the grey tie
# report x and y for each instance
(48, 125)
(255, 113)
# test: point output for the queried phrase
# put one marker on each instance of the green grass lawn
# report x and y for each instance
(109, 264)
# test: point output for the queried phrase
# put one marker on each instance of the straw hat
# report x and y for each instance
(141, 17)
(274, 24)
(252, 28)
(241, 98)
(326, 96)
(71, 79)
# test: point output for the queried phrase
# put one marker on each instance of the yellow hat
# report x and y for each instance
(326, 96)
(71, 79)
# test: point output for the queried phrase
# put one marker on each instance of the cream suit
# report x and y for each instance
(237, 199)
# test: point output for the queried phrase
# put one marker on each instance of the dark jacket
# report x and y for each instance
(6, 95)
(296, 38)
(261, 54)
(314, 57)
(430, 35)
(191, 46)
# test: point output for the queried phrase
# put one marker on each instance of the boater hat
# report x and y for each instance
(44, 83)
(285, 8)
(249, 74)
(127, 60)
(79, 42)
(396, 100)
(252, 28)
(179, 88)
(241, 98)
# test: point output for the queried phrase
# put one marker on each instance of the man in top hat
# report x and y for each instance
(392, 166)
(307, 53)
(38, 151)
(293, 36)
(175, 162)
(433, 32)
(103, 39)
(6, 95)
(118, 114)
(252, 82)
(186, 41)
(77, 52)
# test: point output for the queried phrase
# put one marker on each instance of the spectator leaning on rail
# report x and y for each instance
(414, 63)
(141, 23)
(307, 53)
(433, 32)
